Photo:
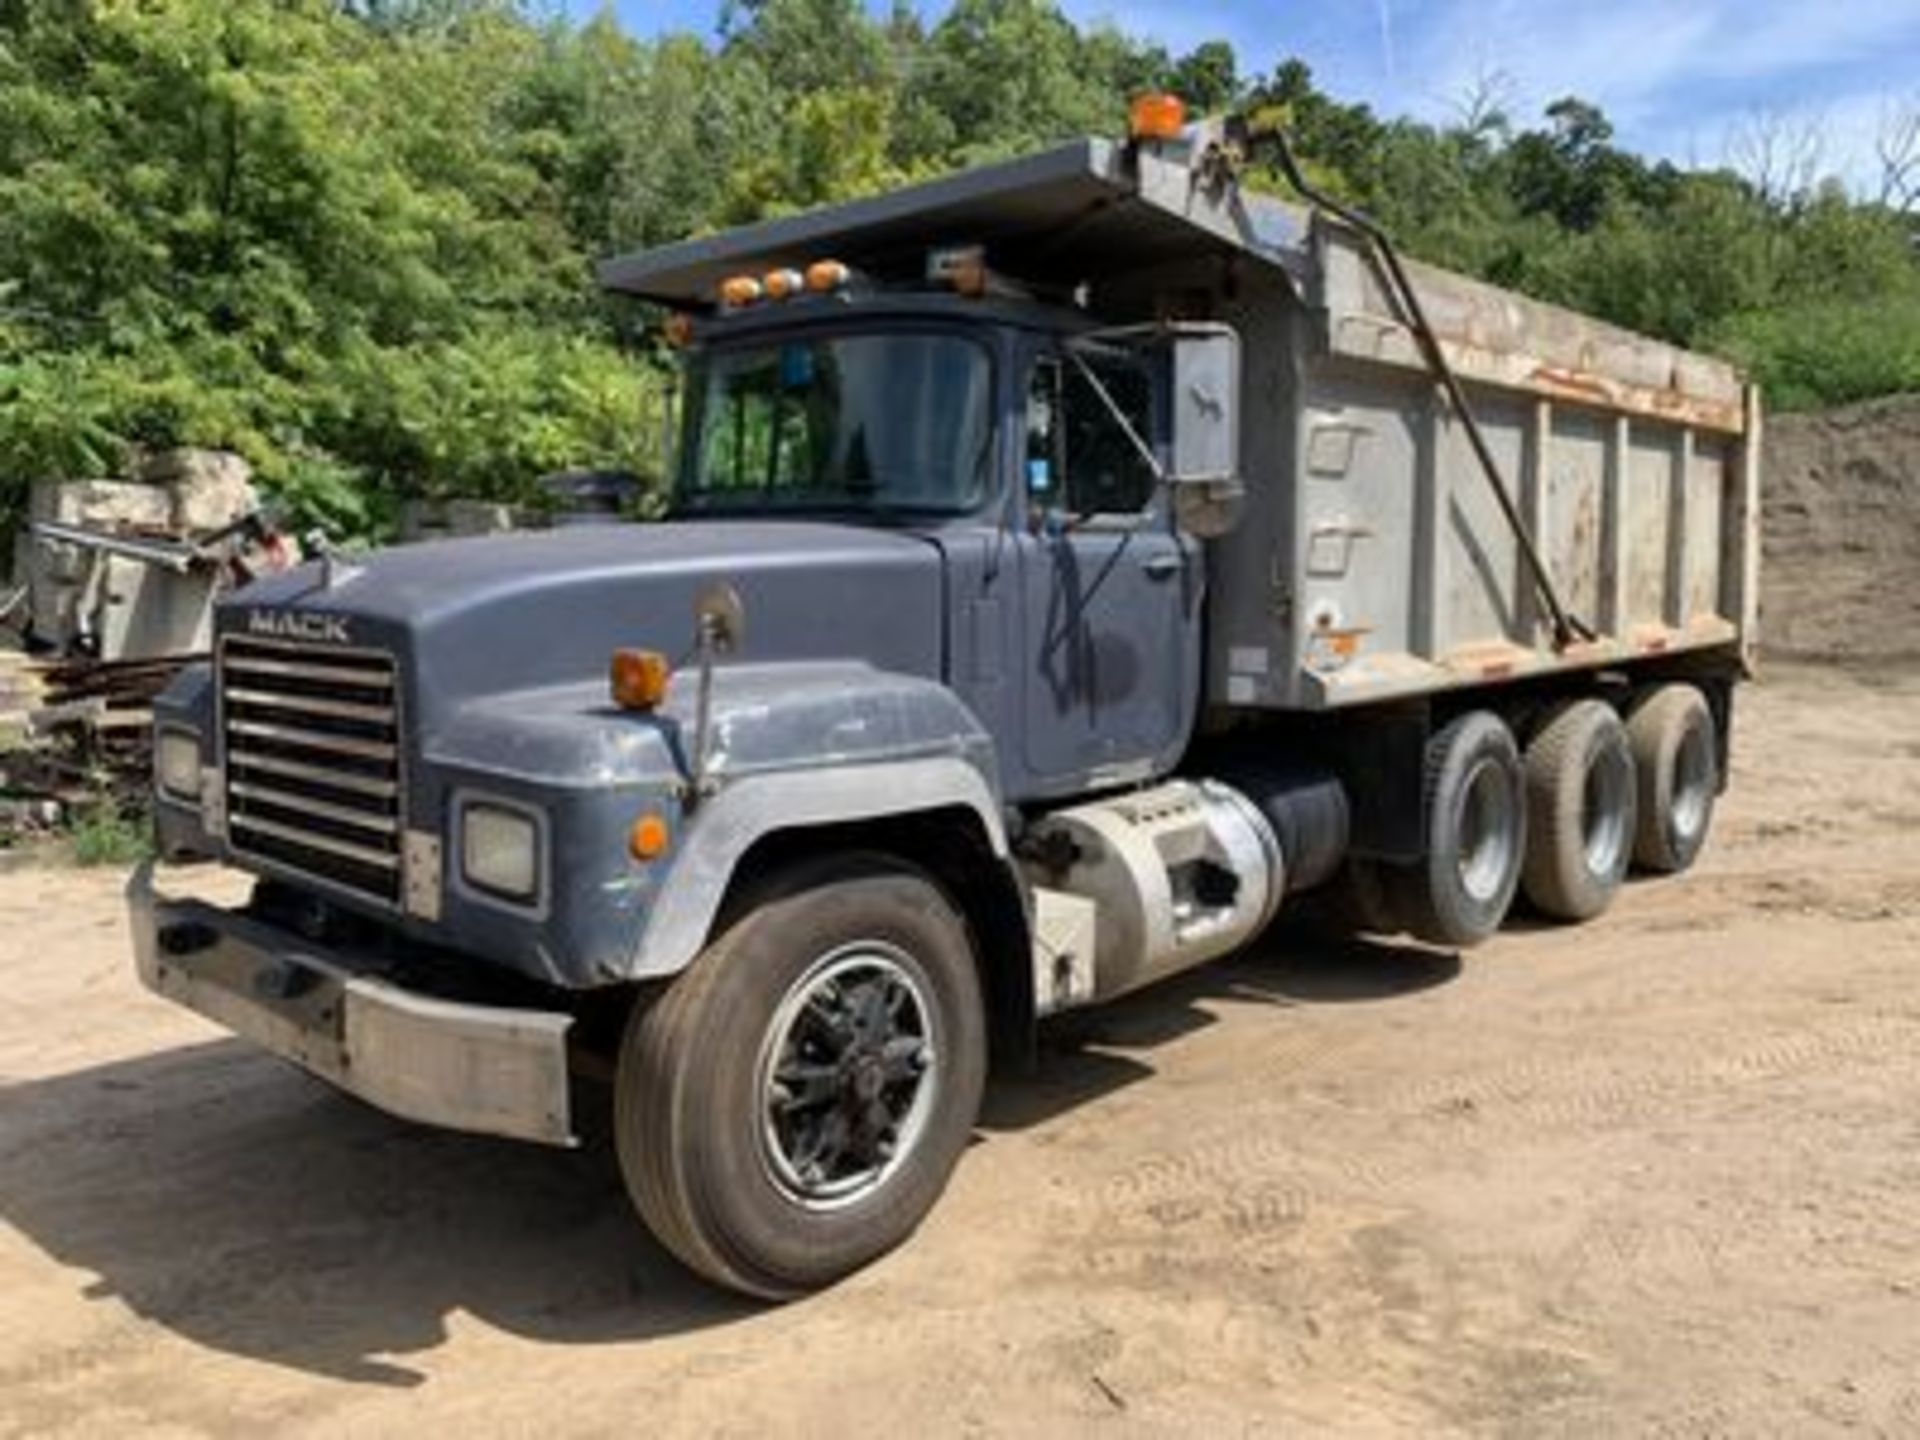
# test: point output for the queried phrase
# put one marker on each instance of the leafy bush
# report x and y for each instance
(102, 835)
(1832, 353)
(332, 245)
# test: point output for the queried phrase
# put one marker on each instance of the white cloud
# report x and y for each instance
(1618, 54)
(1678, 79)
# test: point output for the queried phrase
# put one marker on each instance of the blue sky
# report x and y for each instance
(1681, 78)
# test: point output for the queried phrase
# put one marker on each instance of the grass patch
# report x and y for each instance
(102, 835)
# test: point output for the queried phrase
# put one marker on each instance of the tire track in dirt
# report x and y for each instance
(1712, 900)
(1242, 1186)
(1538, 1094)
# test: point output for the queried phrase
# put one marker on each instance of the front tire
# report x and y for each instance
(793, 1105)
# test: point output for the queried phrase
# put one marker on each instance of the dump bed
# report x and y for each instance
(1372, 559)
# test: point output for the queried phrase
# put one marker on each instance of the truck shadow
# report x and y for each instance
(1090, 1053)
(248, 1208)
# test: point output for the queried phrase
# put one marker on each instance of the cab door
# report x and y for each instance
(1110, 593)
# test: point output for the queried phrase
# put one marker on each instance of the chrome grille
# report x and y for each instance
(313, 761)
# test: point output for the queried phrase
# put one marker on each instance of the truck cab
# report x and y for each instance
(1071, 602)
(1065, 564)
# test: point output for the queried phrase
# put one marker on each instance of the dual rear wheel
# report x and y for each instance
(1676, 757)
(1582, 799)
(1561, 820)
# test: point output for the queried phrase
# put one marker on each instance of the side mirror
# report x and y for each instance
(1204, 475)
(719, 617)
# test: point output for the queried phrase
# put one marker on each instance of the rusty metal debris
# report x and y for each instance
(112, 595)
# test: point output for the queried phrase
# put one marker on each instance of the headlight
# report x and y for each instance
(176, 764)
(500, 851)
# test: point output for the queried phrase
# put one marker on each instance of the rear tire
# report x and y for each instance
(1476, 835)
(793, 1105)
(1676, 752)
(1581, 807)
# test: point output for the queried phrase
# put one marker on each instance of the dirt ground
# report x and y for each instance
(1841, 532)
(1659, 1174)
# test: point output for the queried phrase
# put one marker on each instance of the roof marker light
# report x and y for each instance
(783, 284)
(826, 275)
(740, 290)
(961, 268)
(1156, 116)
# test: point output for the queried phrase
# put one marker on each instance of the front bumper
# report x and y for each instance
(481, 1068)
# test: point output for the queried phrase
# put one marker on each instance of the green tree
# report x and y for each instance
(354, 238)
(1208, 78)
(215, 217)
(1007, 75)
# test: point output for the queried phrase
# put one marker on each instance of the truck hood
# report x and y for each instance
(520, 611)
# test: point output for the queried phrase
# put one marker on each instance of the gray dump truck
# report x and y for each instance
(1070, 562)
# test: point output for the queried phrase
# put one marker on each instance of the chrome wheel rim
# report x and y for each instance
(1486, 831)
(1692, 782)
(848, 1074)
(1603, 821)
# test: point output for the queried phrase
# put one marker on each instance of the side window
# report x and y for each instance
(760, 429)
(1079, 457)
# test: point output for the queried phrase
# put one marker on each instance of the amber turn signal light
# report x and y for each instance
(638, 678)
(1156, 117)
(648, 838)
(826, 275)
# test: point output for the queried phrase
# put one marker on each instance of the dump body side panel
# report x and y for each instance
(1374, 560)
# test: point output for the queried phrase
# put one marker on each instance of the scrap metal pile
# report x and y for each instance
(112, 593)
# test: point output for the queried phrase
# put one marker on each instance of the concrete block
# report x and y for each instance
(479, 517)
(110, 504)
(445, 519)
(209, 489)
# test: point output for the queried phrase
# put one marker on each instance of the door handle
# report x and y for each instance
(1162, 566)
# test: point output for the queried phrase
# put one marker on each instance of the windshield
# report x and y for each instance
(872, 422)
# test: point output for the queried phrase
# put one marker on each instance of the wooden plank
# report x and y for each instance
(51, 717)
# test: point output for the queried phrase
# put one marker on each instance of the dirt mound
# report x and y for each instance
(1841, 522)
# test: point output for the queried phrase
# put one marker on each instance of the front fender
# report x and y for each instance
(753, 807)
(803, 745)
(792, 745)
